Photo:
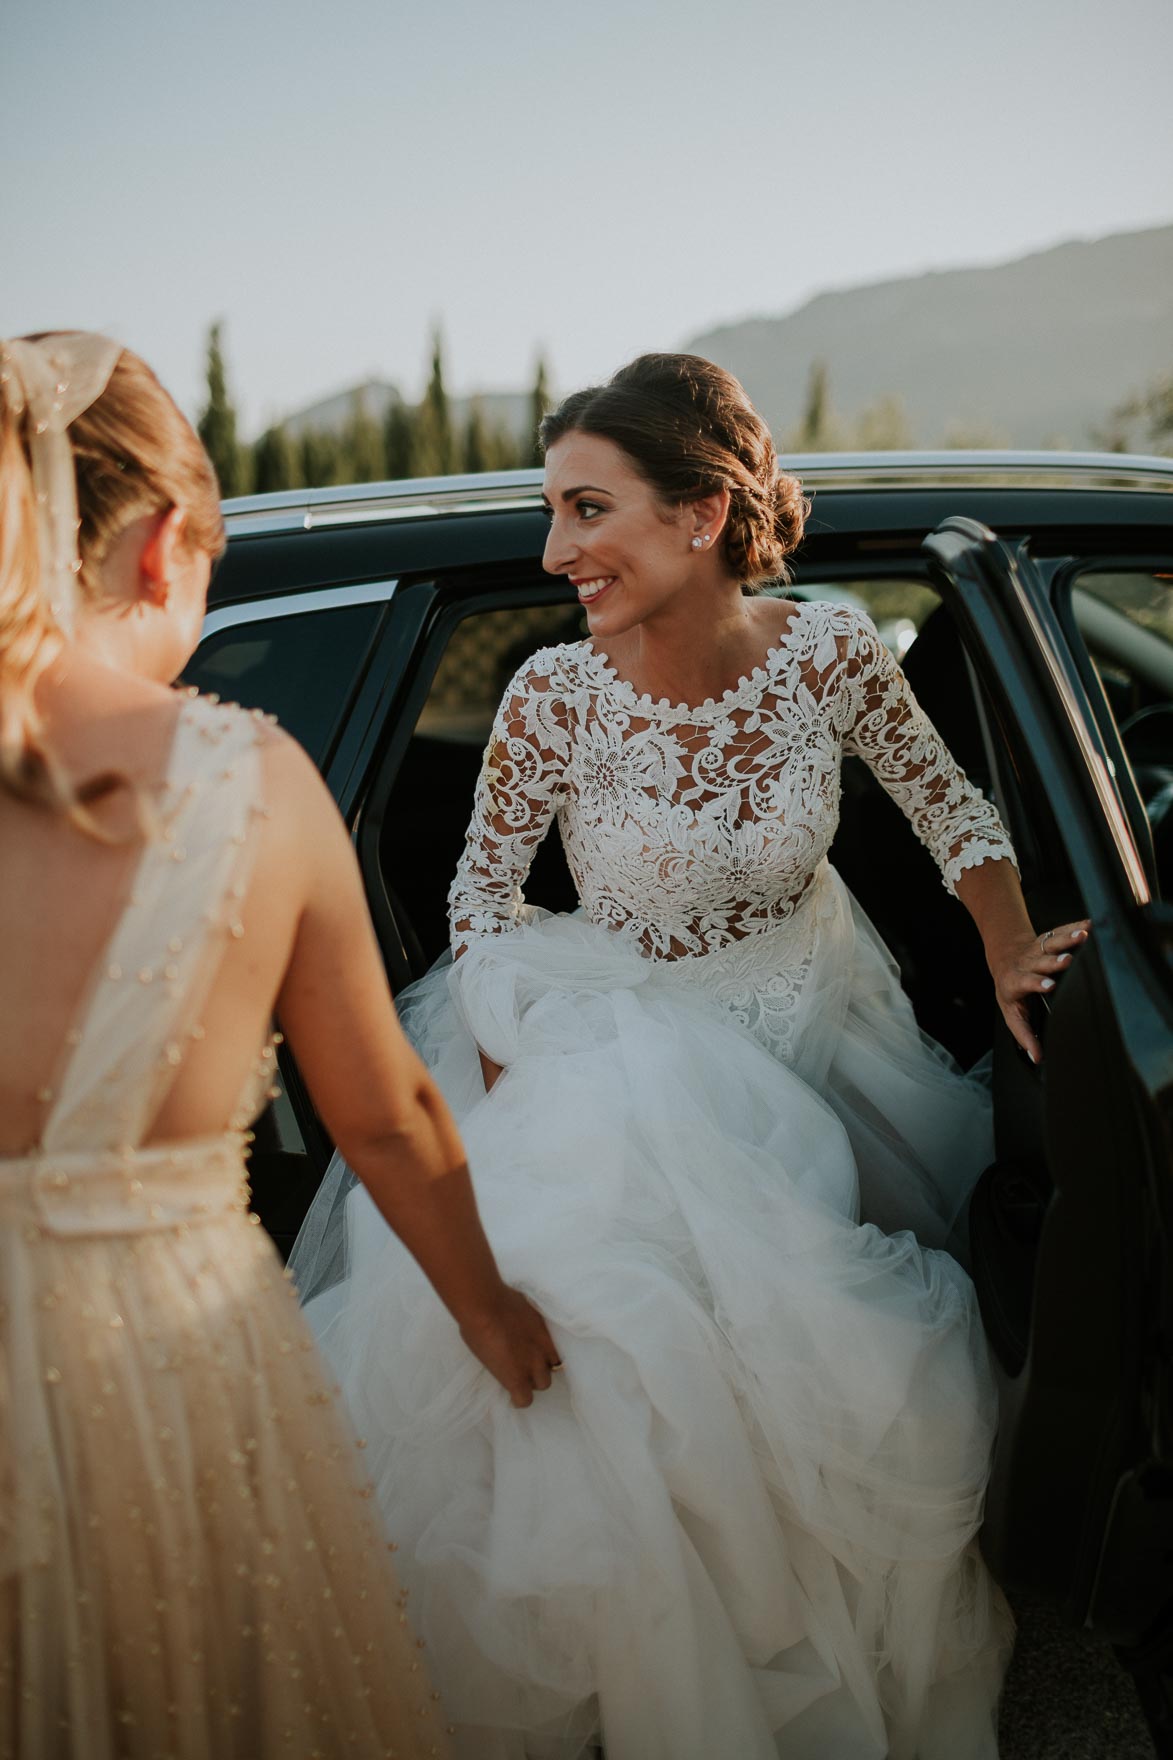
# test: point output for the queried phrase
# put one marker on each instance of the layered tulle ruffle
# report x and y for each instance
(740, 1523)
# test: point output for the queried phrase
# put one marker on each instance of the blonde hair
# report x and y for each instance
(134, 454)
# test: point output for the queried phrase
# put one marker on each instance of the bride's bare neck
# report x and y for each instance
(673, 656)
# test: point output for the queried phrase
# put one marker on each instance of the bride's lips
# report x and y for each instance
(592, 590)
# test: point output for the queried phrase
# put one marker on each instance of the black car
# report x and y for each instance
(1030, 599)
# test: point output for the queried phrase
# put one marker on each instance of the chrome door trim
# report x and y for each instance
(293, 604)
(1098, 764)
(286, 510)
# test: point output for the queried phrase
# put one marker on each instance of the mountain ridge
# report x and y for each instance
(1033, 351)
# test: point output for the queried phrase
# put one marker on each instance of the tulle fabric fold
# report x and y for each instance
(741, 1522)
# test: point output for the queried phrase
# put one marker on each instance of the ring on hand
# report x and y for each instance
(1045, 937)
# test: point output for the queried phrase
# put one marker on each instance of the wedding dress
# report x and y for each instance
(188, 1563)
(741, 1523)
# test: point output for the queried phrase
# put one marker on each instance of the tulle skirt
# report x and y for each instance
(740, 1525)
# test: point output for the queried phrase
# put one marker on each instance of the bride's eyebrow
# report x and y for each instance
(582, 489)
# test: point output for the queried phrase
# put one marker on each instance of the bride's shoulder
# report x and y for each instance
(563, 666)
(818, 625)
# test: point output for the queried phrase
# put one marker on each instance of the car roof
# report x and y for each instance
(868, 507)
(822, 472)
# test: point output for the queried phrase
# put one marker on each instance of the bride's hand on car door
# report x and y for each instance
(1029, 966)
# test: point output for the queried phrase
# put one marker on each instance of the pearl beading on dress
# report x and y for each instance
(184, 1501)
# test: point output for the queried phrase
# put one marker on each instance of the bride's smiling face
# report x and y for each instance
(626, 554)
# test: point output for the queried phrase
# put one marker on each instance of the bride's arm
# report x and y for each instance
(1021, 963)
(379, 1102)
(961, 829)
(516, 799)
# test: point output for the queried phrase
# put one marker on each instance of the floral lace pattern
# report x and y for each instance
(691, 828)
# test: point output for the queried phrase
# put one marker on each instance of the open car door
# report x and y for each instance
(1072, 1228)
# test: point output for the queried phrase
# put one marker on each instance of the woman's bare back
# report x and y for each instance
(63, 894)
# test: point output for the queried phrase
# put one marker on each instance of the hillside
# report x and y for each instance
(1029, 353)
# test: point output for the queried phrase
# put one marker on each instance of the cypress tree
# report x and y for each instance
(478, 445)
(216, 426)
(539, 405)
(433, 450)
(276, 461)
(398, 439)
(321, 458)
(817, 431)
(505, 450)
(363, 452)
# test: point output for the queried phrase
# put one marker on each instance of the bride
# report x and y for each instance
(711, 1143)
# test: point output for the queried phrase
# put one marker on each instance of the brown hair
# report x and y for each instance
(134, 454)
(689, 428)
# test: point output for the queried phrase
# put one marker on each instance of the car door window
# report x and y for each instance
(301, 668)
(1125, 619)
(430, 801)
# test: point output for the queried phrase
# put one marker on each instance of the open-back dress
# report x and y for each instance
(190, 1565)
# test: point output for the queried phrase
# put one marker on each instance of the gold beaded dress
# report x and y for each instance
(189, 1564)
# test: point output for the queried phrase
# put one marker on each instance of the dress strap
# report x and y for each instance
(163, 956)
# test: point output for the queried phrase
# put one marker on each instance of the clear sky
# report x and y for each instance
(589, 180)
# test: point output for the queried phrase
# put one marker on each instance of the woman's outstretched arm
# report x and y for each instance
(382, 1107)
(1022, 962)
(960, 828)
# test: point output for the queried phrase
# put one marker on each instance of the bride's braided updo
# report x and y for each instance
(689, 428)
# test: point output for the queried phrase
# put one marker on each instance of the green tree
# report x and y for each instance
(216, 426)
(478, 443)
(540, 403)
(398, 439)
(1143, 423)
(322, 458)
(884, 426)
(362, 445)
(506, 451)
(817, 431)
(434, 451)
(961, 436)
(276, 461)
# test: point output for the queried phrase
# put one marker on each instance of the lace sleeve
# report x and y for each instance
(516, 797)
(895, 738)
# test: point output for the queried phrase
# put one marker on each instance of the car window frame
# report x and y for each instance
(276, 607)
(1061, 578)
(444, 602)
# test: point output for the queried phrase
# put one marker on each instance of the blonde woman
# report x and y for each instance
(188, 1560)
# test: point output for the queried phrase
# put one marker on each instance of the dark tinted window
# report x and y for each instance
(303, 668)
(430, 804)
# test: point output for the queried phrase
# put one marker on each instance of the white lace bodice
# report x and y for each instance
(689, 828)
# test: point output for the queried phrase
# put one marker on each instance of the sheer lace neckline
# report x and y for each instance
(745, 694)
